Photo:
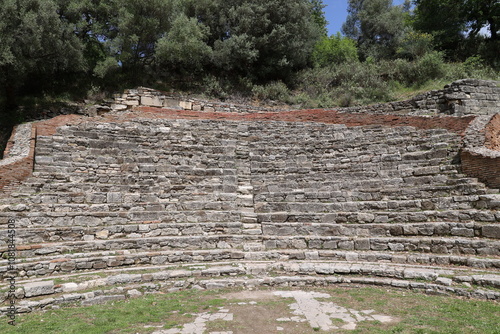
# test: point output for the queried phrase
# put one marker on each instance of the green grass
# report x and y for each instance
(415, 313)
(127, 316)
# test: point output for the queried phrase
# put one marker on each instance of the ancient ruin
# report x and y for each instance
(169, 193)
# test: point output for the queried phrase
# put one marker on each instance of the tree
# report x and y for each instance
(34, 44)
(483, 14)
(139, 24)
(335, 50)
(260, 39)
(184, 48)
(376, 25)
(319, 16)
(447, 29)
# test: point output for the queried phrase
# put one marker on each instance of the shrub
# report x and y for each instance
(430, 66)
(275, 90)
(334, 50)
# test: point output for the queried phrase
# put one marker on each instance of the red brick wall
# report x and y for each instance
(13, 174)
(493, 133)
(486, 169)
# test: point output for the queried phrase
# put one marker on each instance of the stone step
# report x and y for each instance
(157, 228)
(191, 242)
(132, 290)
(195, 130)
(138, 179)
(112, 204)
(144, 170)
(356, 217)
(489, 202)
(441, 229)
(119, 284)
(275, 183)
(131, 230)
(53, 264)
(26, 219)
(422, 244)
(113, 198)
(222, 191)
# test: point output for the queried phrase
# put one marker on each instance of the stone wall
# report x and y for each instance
(462, 97)
(143, 96)
(481, 155)
(18, 156)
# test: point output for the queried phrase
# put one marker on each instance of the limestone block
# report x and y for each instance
(134, 293)
(186, 105)
(114, 197)
(102, 299)
(132, 102)
(69, 287)
(151, 101)
(171, 103)
(102, 234)
(38, 288)
(118, 107)
(491, 231)
(444, 280)
(123, 279)
(366, 217)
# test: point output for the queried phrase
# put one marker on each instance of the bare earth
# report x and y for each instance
(265, 312)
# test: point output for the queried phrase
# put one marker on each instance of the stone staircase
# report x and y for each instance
(151, 204)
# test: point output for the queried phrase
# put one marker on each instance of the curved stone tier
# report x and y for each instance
(177, 203)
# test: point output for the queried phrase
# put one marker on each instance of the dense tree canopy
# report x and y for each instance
(376, 25)
(35, 43)
(108, 43)
(260, 39)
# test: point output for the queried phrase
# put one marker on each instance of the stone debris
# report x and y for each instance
(198, 326)
(319, 314)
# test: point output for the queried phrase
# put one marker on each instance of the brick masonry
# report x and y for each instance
(480, 156)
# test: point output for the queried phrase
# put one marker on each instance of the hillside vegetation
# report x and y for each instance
(60, 50)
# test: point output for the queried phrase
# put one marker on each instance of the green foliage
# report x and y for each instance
(334, 50)
(264, 39)
(139, 25)
(35, 43)
(430, 66)
(377, 25)
(446, 29)
(319, 16)
(415, 44)
(276, 90)
(482, 14)
(183, 48)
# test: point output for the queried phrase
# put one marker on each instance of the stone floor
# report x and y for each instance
(307, 307)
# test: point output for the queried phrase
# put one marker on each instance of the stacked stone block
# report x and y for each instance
(148, 194)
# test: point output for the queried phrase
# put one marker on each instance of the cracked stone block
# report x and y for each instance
(38, 289)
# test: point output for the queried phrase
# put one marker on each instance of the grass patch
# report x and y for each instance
(414, 313)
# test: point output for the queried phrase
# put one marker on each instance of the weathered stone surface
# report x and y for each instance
(491, 231)
(151, 101)
(137, 190)
(38, 288)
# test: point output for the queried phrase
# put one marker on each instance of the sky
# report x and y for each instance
(336, 13)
